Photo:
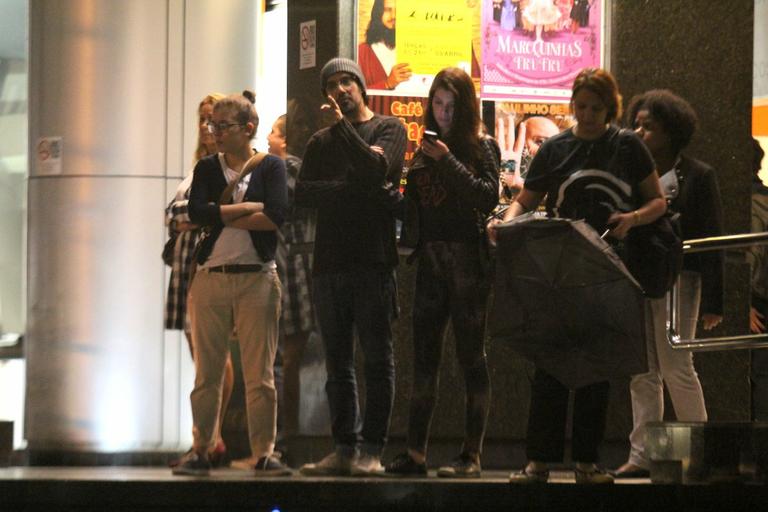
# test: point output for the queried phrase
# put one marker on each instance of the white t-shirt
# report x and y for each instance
(234, 245)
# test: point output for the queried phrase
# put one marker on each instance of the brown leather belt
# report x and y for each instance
(236, 269)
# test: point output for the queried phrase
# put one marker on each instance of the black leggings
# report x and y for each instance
(450, 283)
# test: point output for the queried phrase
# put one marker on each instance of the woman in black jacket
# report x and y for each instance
(452, 182)
(666, 124)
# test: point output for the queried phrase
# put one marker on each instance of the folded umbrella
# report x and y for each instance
(564, 300)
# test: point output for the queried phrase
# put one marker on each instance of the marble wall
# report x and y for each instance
(701, 50)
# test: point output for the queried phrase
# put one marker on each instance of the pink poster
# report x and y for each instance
(533, 49)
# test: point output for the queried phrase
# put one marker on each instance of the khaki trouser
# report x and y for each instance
(667, 367)
(249, 302)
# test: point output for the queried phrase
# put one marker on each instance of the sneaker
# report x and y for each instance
(367, 465)
(528, 476)
(592, 476)
(463, 466)
(217, 456)
(404, 465)
(176, 462)
(192, 464)
(271, 466)
(334, 464)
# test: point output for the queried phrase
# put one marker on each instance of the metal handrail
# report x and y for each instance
(740, 342)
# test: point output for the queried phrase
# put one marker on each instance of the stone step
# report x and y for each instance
(707, 452)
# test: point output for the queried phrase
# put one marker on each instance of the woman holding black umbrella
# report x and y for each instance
(596, 172)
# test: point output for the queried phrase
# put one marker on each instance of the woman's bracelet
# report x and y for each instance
(636, 216)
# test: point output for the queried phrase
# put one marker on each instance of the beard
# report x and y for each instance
(388, 37)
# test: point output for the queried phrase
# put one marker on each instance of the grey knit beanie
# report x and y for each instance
(342, 65)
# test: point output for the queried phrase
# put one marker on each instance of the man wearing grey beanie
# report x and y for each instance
(350, 174)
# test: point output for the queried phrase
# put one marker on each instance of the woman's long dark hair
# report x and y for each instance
(466, 126)
(376, 30)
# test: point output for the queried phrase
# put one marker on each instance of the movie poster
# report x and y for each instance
(533, 49)
(402, 44)
(520, 129)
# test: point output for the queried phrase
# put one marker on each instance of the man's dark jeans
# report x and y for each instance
(361, 301)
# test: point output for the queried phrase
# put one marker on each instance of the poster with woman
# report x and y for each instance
(533, 49)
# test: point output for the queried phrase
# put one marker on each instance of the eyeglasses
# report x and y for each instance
(344, 81)
(220, 127)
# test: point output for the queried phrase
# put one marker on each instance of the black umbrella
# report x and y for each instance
(564, 300)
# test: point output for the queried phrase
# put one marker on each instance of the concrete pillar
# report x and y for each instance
(116, 84)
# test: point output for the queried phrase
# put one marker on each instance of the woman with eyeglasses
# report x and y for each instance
(183, 236)
(239, 197)
(666, 123)
(453, 183)
(606, 176)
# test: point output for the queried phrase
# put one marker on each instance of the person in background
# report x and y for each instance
(294, 265)
(666, 123)
(565, 166)
(377, 56)
(185, 235)
(759, 307)
(351, 174)
(240, 196)
(452, 180)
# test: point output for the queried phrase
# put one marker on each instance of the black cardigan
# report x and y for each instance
(267, 185)
(698, 203)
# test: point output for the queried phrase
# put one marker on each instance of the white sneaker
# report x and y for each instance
(334, 464)
(367, 465)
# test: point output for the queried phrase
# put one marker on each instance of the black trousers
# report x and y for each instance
(547, 419)
(451, 282)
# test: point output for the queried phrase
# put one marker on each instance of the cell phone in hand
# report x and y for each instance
(430, 135)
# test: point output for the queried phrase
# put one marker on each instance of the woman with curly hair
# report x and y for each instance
(666, 123)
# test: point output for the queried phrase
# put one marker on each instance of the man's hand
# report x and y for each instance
(333, 108)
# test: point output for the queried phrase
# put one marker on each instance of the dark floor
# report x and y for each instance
(154, 488)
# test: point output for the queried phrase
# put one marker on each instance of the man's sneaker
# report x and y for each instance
(404, 465)
(528, 476)
(367, 465)
(271, 466)
(463, 466)
(192, 464)
(592, 476)
(334, 464)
